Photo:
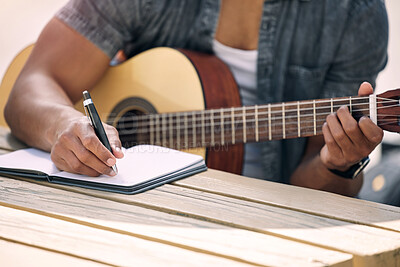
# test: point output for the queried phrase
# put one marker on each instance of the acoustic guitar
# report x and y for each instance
(190, 101)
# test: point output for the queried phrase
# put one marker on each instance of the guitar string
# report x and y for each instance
(146, 118)
(239, 136)
(294, 103)
(228, 119)
(144, 130)
(238, 127)
(249, 108)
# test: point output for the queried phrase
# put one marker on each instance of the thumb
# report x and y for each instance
(365, 89)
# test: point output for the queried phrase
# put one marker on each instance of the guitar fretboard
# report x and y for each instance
(218, 127)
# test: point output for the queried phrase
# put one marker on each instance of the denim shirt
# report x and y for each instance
(307, 49)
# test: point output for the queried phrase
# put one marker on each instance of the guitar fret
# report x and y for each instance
(315, 119)
(212, 128)
(194, 128)
(164, 129)
(151, 130)
(185, 122)
(269, 122)
(283, 122)
(178, 131)
(222, 127)
(256, 119)
(171, 130)
(244, 124)
(298, 119)
(206, 128)
(281, 119)
(351, 108)
(372, 108)
(158, 142)
(233, 124)
(203, 135)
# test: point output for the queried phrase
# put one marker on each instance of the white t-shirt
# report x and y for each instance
(243, 65)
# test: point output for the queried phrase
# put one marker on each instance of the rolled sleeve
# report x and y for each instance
(107, 24)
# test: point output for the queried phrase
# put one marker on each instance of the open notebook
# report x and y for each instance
(143, 167)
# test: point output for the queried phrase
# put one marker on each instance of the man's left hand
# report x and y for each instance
(346, 140)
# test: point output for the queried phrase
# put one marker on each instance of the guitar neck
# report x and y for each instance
(219, 127)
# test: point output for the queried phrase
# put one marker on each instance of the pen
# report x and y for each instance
(94, 118)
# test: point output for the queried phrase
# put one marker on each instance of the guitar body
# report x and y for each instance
(160, 80)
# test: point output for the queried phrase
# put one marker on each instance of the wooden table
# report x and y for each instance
(210, 219)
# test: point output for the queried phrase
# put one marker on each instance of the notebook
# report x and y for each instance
(142, 168)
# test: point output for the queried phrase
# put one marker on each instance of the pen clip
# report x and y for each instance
(85, 103)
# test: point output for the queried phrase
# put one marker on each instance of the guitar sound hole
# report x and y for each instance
(127, 117)
(128, 126)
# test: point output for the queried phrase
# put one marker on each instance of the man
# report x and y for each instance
(304, 50)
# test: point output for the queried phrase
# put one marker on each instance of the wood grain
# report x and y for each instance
(369, 245)
(18, 255)
(97, 245)
(297, 198)
(166, 228)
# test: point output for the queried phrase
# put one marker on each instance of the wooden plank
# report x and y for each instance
(370, 246)
(2, 151)
(97, 245)
(8, 141)
(21, 255)
(296, 198)
(185, 232)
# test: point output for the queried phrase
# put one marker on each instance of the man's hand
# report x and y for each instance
(346, 140)
(77, 149)
(344, 143)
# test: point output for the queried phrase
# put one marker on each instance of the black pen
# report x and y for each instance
(94, 118)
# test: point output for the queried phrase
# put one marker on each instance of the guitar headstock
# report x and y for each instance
(388, 110)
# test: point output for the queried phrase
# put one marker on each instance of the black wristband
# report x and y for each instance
(354, 170)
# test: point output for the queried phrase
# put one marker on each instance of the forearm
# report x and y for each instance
(40, 108)
(312, 173)
(36, 109)
(62, 65)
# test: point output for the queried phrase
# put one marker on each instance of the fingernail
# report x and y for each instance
(110, 162)
(117, 148)
(111, 173)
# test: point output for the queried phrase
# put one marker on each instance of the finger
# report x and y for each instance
(372, 132)
(92, 143)
(86, 157)
(66, 161)
(365, 89)
(336, 129)
(330, 142)
(117, 151)
(56, 157)
(74, 165)
(350, 127)
(115, 142)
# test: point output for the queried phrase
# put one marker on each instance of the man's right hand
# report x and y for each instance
(78, 150)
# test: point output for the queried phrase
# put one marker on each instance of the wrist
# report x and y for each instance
(59, 124)
(353, 171)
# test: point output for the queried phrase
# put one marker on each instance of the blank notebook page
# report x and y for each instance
(140, 164)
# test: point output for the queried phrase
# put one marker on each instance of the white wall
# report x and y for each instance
(390, 77)
(20, 24)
